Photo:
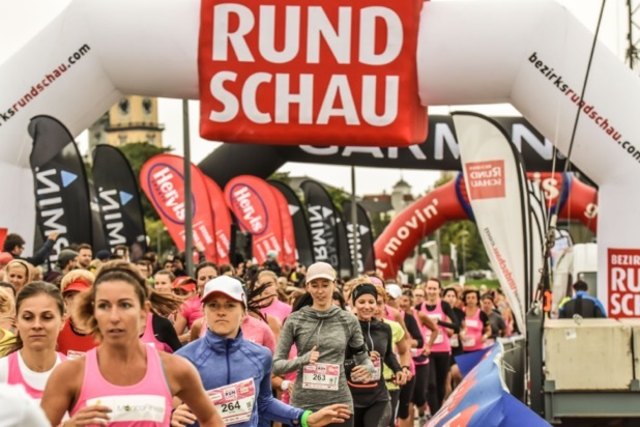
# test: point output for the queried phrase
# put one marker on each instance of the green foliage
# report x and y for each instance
(281, 176)
(379, 223)
(137, 154)
(338, 196)
(161, 242)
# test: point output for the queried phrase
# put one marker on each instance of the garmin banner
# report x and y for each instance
(363, 234)
(119, 199)
(60, 181)
(252, 202)
(300, 223)
(439, 151)
(497, 190)
(162, 180)
(221, 220)
(323, 223)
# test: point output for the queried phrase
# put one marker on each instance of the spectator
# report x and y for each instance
(67, 261)
(582, 304)
(272, 263)
(85, 255)
(496, 322)
(14, 244)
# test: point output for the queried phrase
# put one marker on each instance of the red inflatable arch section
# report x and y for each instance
(571, 197)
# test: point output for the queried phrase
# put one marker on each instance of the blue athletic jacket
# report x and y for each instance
(222, 361)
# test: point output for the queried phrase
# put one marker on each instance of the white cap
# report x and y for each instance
(227, 286)
(394, 290)
(320, 270)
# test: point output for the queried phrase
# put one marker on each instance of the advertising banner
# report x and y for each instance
(497, 190)
(300, 223)
(221, 220)
(323, 223)
(119, 199)
(482, 399)
(60, 181)
(254, 205)
(623, 274)
(282, 72)
(363, 232)
(288, 234)
(162, 180)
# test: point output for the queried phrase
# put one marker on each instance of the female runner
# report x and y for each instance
(371, 399)
(322, 332)
(237, 372)
(39, 309)
(123, 381)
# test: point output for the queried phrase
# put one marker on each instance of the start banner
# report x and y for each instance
(324, 72)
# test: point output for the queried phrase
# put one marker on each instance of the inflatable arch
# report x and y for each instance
(571, 198)
(531, 54)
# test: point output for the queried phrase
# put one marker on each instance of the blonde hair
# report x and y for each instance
(21, 263)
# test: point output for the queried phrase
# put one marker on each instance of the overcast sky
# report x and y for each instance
(21, 19)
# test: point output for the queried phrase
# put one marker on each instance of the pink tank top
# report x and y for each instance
(145, 404)
(441, 344)
(15, 375)
(149, 337)
(473, 334)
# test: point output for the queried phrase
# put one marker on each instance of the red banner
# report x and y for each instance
(221, 220)
(320, 72)
(419, 219)
(288, 233)
(162, 180)
(623, 274)
(255, 207)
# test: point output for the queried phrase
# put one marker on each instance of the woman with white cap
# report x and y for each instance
(322, 332)
(237, 372)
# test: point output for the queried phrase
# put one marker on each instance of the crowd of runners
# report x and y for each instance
(107, 341)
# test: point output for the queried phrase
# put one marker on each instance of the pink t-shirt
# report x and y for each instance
(191, 309)
(277, 309)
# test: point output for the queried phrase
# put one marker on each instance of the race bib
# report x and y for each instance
(234, 401)
(139, 407)
(469, 341)
(435, 317)
(321, 376)
(72, 354)
(472, 323)
(455, 342)
(439, 339)
(377, 368)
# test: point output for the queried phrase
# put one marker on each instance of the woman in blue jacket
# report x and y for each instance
(237, 373)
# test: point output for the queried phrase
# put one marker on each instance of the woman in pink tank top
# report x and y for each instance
(39, 311)
(122, 382)
(476, 323)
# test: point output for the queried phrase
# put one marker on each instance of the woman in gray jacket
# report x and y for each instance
(321, 333)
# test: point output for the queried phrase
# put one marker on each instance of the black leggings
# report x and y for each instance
(376, 415)
(440, 363)
(422, 382)
(395, 395)
(406, 391)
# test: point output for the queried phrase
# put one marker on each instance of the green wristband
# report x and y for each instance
(305, 415)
